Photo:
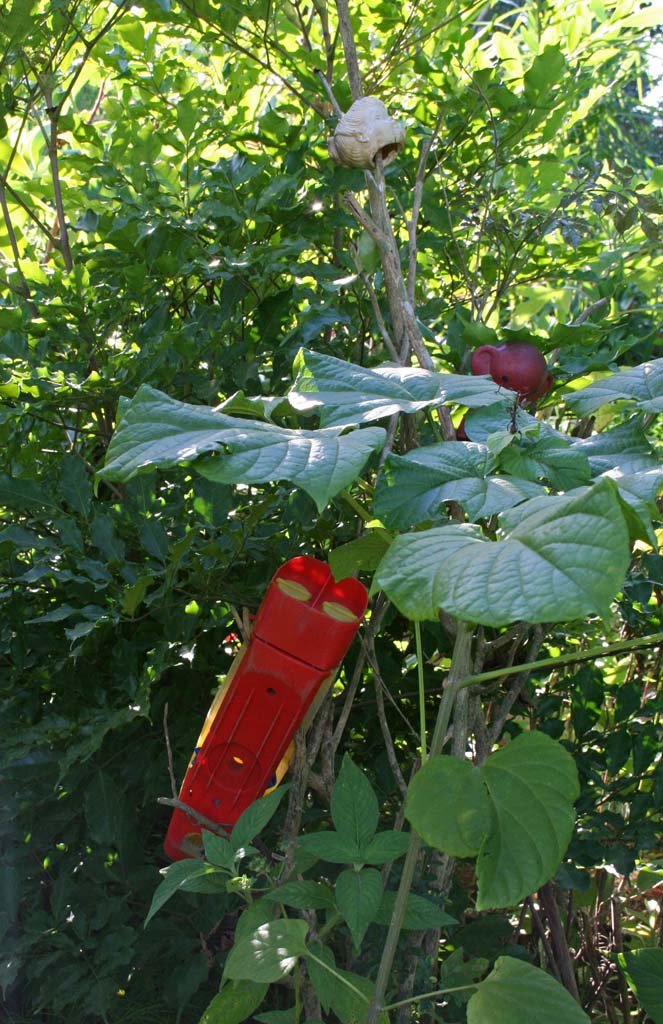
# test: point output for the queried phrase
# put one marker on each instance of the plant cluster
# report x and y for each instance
(219, 349)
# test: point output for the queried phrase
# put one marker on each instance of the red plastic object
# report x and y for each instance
(301, 633)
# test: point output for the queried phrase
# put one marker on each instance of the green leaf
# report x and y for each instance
(565, 560)
(644, 971)
(386, 846)
(304, 895)
(552, 458)
(331, 846)
(269, 953)
(189, 876)
(346, 394)
(420, 913)
(412, 487)
(532, 783)
(348, 995)
(253, 820)
(517, 993)
(354, 806)
(75, 484)
(358, 896)
(642, 384)
(235, 1003)
(158, 431)
(218, 850)
(448, 806)
(23, 494)
(624, 448)
(364, 553)
(105, 809)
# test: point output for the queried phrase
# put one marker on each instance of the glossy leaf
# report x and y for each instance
(235, 1003)
(447, 804)
(532, 783)
(565, 560)
(642, 384)
(358, 897)
(158, 431)
(345, 394)
(269, 953)
(644, 971)
(518, 993)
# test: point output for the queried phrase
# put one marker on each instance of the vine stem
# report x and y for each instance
(567, 659)
(458, 673)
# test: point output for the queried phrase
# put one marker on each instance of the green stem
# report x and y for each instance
(566, 659)
(339, 977)
(422, 691)
(428, 995)
(460, 665)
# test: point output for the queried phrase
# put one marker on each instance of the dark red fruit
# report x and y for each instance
(515, 365)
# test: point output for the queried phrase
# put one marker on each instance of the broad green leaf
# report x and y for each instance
(642, 384)
(354, 805)
(386, 846)
(75, 484)
(518, 993)
(253, 820)
(448, 806)
(23, 494)
(358, 896)
(363, 553)
(253, 916)
(218, 850)
(189, 876)
(235, 1003)
(566, 560)
(624, 448)
(532, 783)
(345, 394)
(644, 971)
(331, 846)
(420, 913)
(304, 895)
(552, 458)
(268, 953)
(106, 809)
(158, 431)
(347, 994)
(412, 487)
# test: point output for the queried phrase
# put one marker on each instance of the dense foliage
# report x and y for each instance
(218, 350)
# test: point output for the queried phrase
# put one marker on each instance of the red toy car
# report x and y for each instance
(301, 633)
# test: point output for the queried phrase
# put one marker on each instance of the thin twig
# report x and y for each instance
(169, 751)
(179, 805)
(349, 48)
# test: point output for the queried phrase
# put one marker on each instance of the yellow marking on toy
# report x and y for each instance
(294, 589)
(338, 611)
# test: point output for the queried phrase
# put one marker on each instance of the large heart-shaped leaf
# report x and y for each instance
(515, 812)
(268, 953)
(345, 394)
(565, 560)
(412, 487)
(532, 783)
(644, 970)
(155, 430)
(642, 384)
(551, 458)
(625, 448)
(447, 804)
(518, 993)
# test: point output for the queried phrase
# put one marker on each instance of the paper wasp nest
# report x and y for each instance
(363, 132)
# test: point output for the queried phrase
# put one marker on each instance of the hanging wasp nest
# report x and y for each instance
(363, 132)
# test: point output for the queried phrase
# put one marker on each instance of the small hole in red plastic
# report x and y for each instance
(271, 692)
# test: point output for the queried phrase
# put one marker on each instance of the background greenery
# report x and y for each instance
(170, 217)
